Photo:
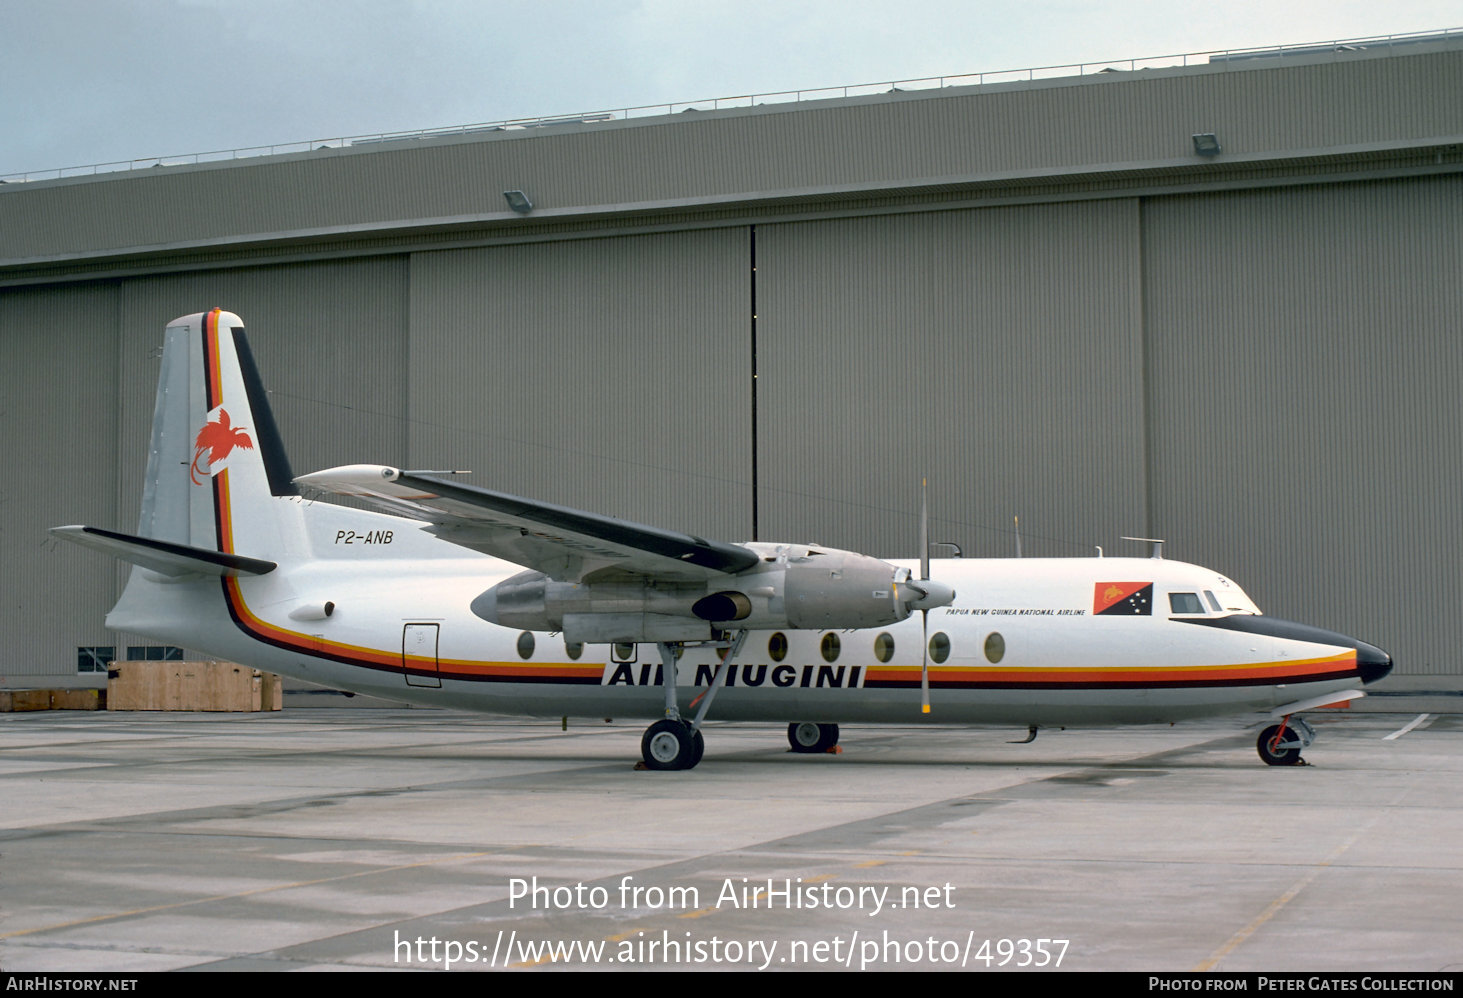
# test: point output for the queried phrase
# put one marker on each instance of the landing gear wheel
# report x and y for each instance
(1271, 752)
(807, 737)
(670, 744)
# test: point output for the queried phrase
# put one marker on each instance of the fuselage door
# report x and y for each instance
(419, 655)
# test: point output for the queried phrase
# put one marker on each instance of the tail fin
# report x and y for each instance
(214, 462)
(214, 442)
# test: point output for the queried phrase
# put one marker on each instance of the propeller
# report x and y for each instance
(923, 594)
(930, 595)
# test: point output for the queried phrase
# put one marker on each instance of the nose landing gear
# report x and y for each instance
(1281, 744)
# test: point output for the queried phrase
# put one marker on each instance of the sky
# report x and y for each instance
(97, 81)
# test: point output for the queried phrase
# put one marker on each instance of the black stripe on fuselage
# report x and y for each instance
(1135, 684)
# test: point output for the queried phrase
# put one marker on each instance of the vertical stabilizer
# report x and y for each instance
(165, 496)
(216, 458)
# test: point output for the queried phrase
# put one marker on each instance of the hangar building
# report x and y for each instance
(1215, 301)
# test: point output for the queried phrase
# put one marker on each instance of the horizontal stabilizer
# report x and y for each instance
(163, 557)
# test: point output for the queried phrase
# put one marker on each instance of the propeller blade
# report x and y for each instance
(924, 662)
(924, 529)
(924, 613)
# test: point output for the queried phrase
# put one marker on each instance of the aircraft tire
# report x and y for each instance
(669, 744)
(698, 749)
(807, 737)
(1275, 757)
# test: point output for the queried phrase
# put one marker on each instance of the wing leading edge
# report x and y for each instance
(566, 544)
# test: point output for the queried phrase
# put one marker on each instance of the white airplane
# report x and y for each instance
(463, 597)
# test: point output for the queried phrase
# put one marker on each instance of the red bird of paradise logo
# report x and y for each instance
(216, 439)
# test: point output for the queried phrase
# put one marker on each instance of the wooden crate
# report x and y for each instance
(13, 700)
(78, 699)
(18, 700)
(221, 686)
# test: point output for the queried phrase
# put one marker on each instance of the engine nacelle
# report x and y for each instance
(833, 590)
(792, 587)
(595, 612)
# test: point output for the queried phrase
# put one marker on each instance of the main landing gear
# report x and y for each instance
(808, 737)
(1281, 744)
(673, 742)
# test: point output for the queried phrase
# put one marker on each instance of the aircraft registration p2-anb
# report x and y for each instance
(468, 598)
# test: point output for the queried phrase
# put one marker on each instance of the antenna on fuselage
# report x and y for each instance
(1155, 541)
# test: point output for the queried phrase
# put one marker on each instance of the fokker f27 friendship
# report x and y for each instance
(463, 597)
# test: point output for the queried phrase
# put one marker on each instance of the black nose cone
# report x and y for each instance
(1372, 662)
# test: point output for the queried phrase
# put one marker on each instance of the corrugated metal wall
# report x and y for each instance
(1306, 364)
(610, 375)
(996, 351)
(58, 404)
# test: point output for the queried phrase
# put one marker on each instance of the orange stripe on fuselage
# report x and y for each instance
(309, 644)
(1272, 671)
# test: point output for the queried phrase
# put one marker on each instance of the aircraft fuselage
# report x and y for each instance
(1024, 642)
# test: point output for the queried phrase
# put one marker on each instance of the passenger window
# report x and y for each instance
(884, 647)
(939, 647)
(777, 646)
(830, 647)
(995, 647)
(1185, 603)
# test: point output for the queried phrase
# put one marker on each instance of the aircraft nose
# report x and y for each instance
(1372, 662)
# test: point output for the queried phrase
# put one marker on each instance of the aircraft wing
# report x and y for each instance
(565, 544)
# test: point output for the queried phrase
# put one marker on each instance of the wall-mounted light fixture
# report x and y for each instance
(518, 201)
(1206, 144)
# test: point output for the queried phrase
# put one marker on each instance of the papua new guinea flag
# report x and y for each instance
(1123, 598)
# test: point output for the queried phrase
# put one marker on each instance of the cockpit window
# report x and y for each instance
(1185, 603)
(1213, 603)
